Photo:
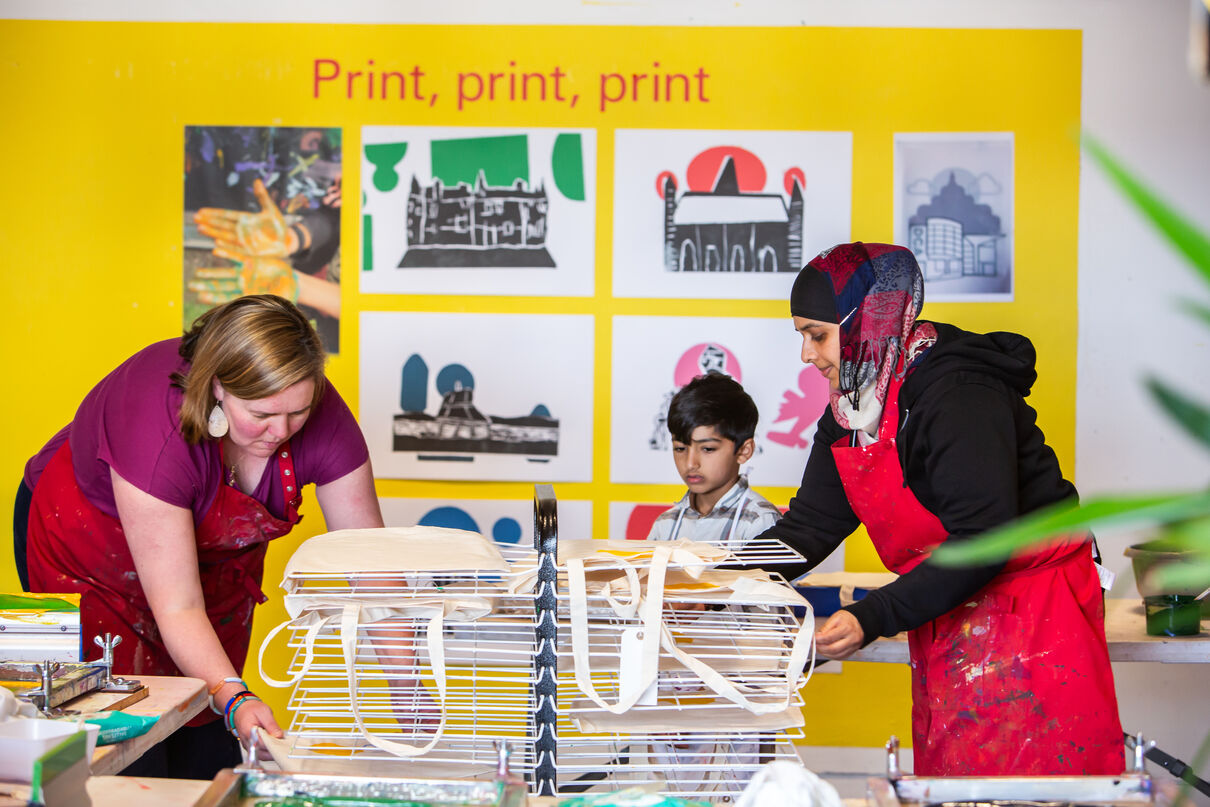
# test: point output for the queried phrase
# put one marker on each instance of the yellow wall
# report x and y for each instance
(91, 220)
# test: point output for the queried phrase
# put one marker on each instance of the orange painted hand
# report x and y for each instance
(215, 285)
(262, 234)
(254, 275)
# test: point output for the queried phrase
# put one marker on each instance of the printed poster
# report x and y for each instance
(477, 396)
(506, 521)
(725, 214)
(954, 210)
(262, 216)
(656, 356)
(455, 210)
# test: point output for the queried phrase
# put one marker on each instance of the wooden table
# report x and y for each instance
(174, 699)
(138, 791)
(1125, 630)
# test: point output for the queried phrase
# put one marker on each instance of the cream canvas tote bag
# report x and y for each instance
(638, 586)
(377, 563)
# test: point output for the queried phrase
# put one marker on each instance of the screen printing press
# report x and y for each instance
(43, 675)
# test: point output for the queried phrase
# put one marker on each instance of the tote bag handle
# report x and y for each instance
(803, 647)
(313, 630)
(349, 622)
(802, 650)
(649, 608)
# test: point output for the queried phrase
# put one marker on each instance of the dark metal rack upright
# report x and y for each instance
(545, 682)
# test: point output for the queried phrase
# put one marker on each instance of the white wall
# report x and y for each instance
(1138, 98)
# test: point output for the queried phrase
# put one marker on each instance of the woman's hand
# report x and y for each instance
(840, 637)
(249, 713)
(255, 713)
(678, 605)
(411, 702)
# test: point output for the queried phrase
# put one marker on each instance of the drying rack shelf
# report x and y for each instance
(510, 675)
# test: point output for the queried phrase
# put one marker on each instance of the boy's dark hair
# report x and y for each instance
(715, 400)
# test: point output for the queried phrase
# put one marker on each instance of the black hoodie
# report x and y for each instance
(974, 457)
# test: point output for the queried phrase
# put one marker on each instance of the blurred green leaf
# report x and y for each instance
(1191, 535)
(1120, 511)
(1194, 417)
(1190, 575)
(1117, 511)
(1197, 309)
(1181, 233)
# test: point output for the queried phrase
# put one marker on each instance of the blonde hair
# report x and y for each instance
(256, 346)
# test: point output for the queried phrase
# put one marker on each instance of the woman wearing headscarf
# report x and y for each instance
(928, 439)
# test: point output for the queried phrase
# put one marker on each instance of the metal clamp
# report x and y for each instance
(253, 748)
(41, 697)
(112, 684)
(513, 790)
(502, 755)
(1141, 747)
(892, 759)
(107, 645)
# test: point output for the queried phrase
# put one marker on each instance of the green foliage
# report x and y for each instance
(1068, 517)
(1180, 518)
(1194, 417)
(1197, 310)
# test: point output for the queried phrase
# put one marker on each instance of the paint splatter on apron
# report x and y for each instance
(1015, 680)
(75, 547)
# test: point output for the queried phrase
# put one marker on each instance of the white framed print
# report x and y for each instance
(954, 209)
(725, 214)
(490, 211)
(653, 357)
(478, 396)
(506, 521)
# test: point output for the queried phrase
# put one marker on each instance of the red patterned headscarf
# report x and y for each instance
(877, 292)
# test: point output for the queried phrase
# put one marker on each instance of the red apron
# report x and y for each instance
(1016, 680)
(75, 547)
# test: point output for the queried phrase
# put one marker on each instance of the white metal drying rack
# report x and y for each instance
(510, 678)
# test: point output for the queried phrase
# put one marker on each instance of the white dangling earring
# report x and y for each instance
(217, 424)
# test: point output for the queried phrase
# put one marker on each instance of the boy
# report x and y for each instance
(712, 422)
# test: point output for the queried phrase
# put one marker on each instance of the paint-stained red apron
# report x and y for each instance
(74, 547)
(1017, 679)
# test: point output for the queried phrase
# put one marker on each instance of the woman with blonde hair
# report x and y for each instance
(157, 501)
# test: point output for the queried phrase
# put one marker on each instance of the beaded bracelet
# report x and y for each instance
(232, 705)
(231, 715)
(214, 691)
(234, 698)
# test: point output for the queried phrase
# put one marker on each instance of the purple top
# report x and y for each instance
(130, 422)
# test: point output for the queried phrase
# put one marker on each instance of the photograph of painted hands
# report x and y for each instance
(260, 245)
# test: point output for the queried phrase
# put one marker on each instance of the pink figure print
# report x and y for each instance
(706, 357)
(804, 409)
(702, 358)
